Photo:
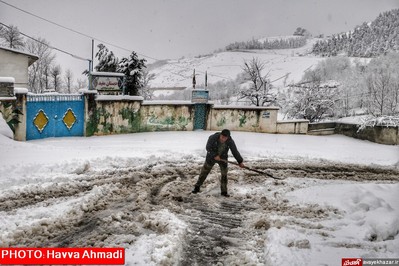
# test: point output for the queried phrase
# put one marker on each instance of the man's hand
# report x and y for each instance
(217, 158)
(242, 165)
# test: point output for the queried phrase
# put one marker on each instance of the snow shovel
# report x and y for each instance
(254, 170)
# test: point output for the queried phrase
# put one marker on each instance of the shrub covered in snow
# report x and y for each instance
(385, 121)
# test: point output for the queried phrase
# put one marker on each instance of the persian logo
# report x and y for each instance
(352, 262)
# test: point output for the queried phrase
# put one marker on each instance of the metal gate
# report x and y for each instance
(200, 116)
(54, 116)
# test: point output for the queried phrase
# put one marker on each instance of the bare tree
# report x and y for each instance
(144, 89)
(259, 88)
(82, 83)
(223, 91)
(68, 80)
(11, 37)
(39, 71)
(55, 74)
(382, 83)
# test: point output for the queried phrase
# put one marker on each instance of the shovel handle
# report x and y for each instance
(251, 169)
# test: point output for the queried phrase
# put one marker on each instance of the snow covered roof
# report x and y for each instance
(118, 98)
(246, 107)
(168, 102)
(107, 74)
(7, 79)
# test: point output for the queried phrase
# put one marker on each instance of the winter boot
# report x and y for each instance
(224, 194)
(196, 190)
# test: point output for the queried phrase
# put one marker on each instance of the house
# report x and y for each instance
(14, 63)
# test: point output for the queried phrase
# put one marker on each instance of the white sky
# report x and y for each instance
(163, 29)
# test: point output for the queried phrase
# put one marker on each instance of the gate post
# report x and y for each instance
(20, 128)
(200, 100)
(89, 109)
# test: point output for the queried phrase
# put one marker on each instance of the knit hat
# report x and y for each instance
(226, 132)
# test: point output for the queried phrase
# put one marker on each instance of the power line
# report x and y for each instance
(72, 30)
(97, 39)
(49, 46)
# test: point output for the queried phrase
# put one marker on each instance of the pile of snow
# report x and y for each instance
(5, 130)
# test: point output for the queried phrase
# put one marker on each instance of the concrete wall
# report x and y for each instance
(127, 114)
(166, 116)
(292, 127)
(378, 134)
(117, 114)
(107, 115)
(242, 118)
(14, 65)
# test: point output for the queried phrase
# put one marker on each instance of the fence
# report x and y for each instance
(91, 114)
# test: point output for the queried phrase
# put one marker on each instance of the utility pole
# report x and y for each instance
(194, 82)
(92, 54)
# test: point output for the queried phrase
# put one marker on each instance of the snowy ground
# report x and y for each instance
(339, 198)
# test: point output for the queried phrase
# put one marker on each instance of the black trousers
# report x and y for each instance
(206, 169)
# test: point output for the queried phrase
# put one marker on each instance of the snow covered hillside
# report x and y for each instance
(284, 66)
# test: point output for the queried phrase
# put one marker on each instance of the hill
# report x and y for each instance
(367, 40)
(284, 66)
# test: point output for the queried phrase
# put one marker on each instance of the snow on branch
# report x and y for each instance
(382, 121)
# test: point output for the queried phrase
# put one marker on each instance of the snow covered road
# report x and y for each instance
(148, 209)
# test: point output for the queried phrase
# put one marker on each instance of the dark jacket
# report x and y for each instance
(212, 149)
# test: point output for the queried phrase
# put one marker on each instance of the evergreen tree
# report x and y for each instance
(107, 62)
(367, 40)
(133, 68)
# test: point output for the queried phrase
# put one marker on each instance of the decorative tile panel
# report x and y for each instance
(40, 120)
(69, 118)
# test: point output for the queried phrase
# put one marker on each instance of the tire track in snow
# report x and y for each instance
(214, 231)
(116, 198)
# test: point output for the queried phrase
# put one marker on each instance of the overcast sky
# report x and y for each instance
(161, 29)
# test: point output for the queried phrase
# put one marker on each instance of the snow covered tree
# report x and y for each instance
(107, 62)
(382, 81)
(68, 80)
(223, 91)
(367, 40)
(82, 83)
(12, 37)
(38, 72)
(55, 74)
(312, 99)
(258, 91)
(301, 32)
(145, 90)
(133, 68)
